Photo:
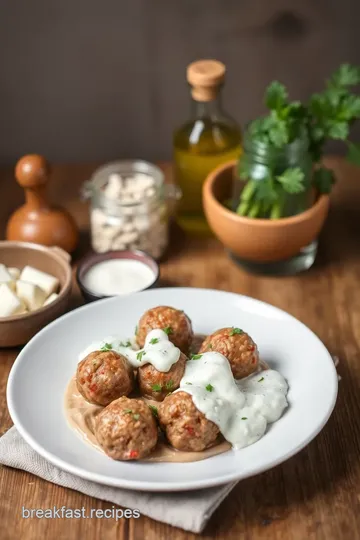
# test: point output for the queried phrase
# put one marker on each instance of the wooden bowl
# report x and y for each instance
(18, 329)
(258, 240)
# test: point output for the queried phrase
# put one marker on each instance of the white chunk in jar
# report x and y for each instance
(141, 225)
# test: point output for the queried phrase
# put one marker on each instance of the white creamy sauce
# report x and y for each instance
(158, 350)
(118, 276)
(241, 409)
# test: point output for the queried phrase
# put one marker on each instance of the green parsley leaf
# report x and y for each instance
(196, 356)
(261, 380)
(154, 410)
(126, 344)
(168, 330)
(346, 75)
(292, 180)
(275, 96)
(349, 108)
(278, 134)
(154, 340)
(236, 331)
(169, 385)
(258, 128)
(244, 418)
(156, 387)
(127, 411)
(106, 347)
(209, 387)
(189, 383)
(210, 346)
(136, 416)
(323, 179)
(339, 130)
(320, 105)
(139, 355)
(353, 153)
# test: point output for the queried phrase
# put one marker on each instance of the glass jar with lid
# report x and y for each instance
(130, 207)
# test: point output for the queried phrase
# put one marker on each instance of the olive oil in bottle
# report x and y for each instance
(207, 140)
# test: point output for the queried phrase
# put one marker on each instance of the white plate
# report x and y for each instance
(37, 382)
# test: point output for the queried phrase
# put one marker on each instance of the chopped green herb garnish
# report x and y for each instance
(209, 346)
(168, 330)
(209, 387)
(189, 383)
(106, 347)
(244, 418)
(127, 411)
(154, 340)
(261, 380)
(156, 387)
(136, 416)
(139, 355)
(236, 331)
(126, 344)
(196, 356)
(154, 410)
(169, 385)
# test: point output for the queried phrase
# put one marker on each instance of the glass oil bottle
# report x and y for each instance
(210, 138)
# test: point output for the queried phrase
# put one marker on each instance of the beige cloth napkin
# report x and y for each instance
(188, 510)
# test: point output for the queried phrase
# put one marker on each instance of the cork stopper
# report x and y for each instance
(205, 77)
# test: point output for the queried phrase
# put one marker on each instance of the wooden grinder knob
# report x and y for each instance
(37, 221)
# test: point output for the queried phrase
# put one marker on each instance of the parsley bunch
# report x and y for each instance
(327, 116)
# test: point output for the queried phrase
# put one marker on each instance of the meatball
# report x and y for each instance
(156, 384)
(103, 376)
(126, 429)
(237, 347)
(186, 428)
(175, 323)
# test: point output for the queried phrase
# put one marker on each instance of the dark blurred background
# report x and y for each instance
(102, 79)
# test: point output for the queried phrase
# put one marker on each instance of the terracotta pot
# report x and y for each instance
(258, 240)
(18, 329)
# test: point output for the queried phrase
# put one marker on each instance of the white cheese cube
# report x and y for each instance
(10, 304)
(32, 296)
(14, 272)
(5, 277)
(45, 281)
(51, 298)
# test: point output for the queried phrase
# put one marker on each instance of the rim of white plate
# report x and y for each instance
(160, 486)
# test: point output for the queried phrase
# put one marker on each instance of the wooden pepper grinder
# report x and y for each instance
(37, 221)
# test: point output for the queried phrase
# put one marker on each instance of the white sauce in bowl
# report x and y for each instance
(241, 409)
(158, 350)
(118, 276)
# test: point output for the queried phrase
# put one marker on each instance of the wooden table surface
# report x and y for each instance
(315, 494)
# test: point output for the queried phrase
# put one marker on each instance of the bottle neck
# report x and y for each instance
(207, 109)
